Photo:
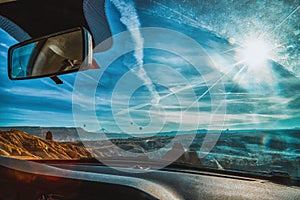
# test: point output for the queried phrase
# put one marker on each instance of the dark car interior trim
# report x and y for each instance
(54, 16)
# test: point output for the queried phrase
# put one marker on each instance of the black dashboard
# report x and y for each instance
(32, 180)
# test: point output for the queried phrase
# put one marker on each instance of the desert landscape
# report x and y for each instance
(250, 150)
(18, 144)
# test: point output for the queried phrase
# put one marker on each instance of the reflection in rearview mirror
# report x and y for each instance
(51, 55)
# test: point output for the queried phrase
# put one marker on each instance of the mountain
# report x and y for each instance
(15, 143)
(69, 134)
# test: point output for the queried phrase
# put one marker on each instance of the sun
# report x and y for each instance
(255, 53)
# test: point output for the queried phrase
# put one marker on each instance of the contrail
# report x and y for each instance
(185, 88)
(130, 19)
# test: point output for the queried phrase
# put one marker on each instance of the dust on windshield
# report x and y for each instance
(210, 84)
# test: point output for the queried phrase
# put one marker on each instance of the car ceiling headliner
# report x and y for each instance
(42, 17)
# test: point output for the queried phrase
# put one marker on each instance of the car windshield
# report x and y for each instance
(206, 83)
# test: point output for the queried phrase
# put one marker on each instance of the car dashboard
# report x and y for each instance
(33, 180)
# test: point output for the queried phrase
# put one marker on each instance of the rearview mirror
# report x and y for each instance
(51, 55)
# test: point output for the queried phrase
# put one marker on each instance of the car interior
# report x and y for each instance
(228, 132)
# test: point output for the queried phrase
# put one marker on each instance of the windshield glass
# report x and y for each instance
(210, 84)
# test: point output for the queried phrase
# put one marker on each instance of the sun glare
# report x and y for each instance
(255, 53)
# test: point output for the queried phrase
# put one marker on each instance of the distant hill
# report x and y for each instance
(18, 144)
(69, 134)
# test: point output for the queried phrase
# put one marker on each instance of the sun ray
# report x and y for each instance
(280, 23)
(255, 53)
(213, 85)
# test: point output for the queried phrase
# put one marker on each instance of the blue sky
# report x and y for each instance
(152, 90)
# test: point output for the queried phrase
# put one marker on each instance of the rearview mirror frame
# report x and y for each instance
(87, 53)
